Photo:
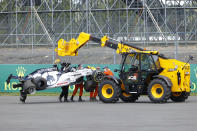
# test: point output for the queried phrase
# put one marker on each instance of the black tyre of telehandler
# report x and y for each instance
(128, 97)
(179, 97)
(109, 91)
(158, 91)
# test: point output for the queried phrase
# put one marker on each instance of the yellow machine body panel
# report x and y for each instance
(177, 72)
(71, 48)
(126, 49)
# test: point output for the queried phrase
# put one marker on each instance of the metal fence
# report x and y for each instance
(146, 23)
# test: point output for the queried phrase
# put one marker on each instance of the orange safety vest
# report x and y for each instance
(108, 72)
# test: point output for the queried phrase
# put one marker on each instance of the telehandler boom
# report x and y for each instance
(141, 72)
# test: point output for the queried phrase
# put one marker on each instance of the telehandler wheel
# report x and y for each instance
(158, 91)
(179, 96)
(109, 91)
(128, 97)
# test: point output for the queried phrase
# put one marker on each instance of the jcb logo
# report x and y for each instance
(132, 78)
(20, 71)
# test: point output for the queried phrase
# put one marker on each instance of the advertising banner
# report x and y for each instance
(18, 70)
(193, 77)
(25, 69)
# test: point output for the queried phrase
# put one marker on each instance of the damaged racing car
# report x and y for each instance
(53, 77)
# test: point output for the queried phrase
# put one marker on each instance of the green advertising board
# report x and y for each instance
(23, 70)
(18, 70)
(193, 77)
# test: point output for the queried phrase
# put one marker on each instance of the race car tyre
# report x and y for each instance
(158, 91)
(179, 96)
(29, 87)
(109, 91)
(40, 83)
(128, 97)
(89, 85)
(98, 76)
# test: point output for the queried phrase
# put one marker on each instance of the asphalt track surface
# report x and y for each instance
(45, 113)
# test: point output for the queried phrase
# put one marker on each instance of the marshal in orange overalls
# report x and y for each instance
(94, 93)
(77, 86)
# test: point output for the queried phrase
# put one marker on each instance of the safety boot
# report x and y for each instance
(60, 99)
(72, 98)
(65, 99)
(93, 99)
(80, 99)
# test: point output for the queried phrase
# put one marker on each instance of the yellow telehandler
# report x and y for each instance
(141, 72)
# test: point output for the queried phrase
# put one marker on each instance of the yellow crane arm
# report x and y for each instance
(71, 48)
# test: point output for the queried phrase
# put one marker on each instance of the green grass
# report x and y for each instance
(193, 94)
(53, 94)
(38, 94)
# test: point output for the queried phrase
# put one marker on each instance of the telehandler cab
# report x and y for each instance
(141, 72)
